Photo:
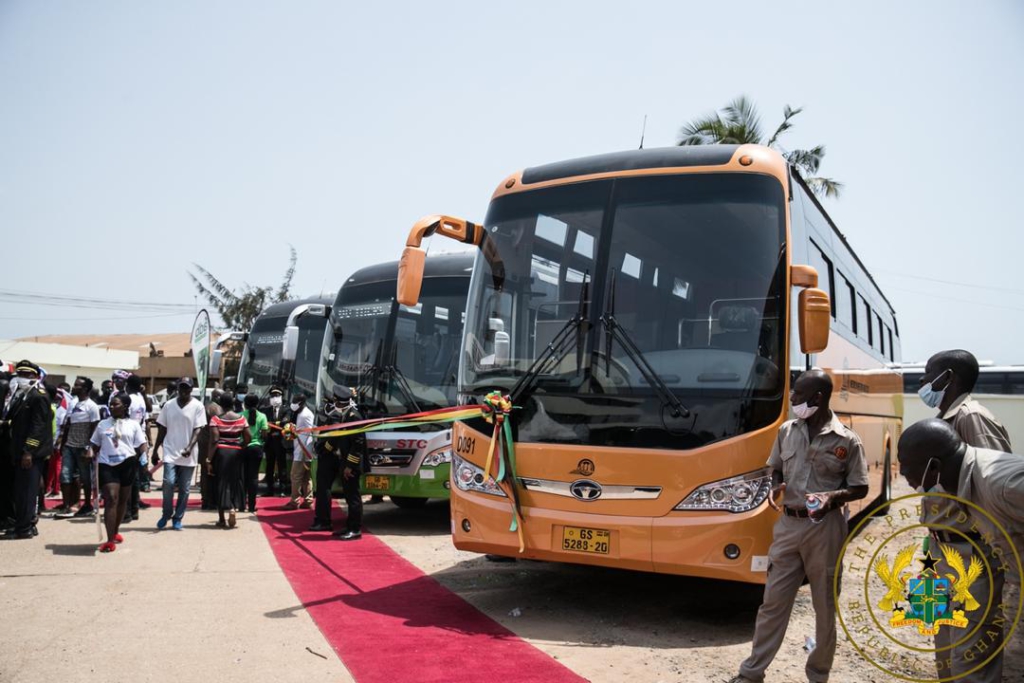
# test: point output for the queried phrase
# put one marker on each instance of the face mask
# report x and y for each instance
(931, 397)
(275, 401)
(17, 384)
(295, 406)
(333, 410)
(804, 411)
(938, 488)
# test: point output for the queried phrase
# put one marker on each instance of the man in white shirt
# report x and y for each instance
(302, 455)
(178, 429)
(76, 466)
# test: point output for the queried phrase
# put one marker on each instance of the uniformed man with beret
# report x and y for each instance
(342, 454)
(31, 439)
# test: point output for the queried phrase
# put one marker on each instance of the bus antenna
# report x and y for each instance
(643, 130)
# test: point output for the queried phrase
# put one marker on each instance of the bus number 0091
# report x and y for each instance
(466, 444)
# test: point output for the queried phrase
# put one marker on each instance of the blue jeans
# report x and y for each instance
(176, 476)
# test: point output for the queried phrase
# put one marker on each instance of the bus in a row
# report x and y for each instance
(400, 360)
(647, 312)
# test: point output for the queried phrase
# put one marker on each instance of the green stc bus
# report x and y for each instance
(400, 360)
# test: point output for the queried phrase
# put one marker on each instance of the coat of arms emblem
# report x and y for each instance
(928, 600)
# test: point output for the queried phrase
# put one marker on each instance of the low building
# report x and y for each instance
(64, 362)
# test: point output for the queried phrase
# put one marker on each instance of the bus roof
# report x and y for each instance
(633, 160)
(441, 265)
(284, 308)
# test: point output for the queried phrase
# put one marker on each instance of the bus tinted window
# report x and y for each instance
(844, 301)
(823, 265)
(881, 334)
(864, 315)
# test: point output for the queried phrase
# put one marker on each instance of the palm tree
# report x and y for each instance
(240, 310)
(739, 123)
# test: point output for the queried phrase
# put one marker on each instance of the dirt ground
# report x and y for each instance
(610, 625)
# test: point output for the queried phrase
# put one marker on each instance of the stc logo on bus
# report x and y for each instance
(380, 444)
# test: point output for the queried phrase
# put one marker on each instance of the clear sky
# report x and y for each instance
(139, 137)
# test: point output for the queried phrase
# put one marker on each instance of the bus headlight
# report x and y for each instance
(469, 477)
(438, 457)
(738, 494)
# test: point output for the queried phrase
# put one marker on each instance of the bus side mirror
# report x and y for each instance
(216, 358)
(815, 315)
(410, 275)
(290, 345)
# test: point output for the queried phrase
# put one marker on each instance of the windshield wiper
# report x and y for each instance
(615, 331)
(559, 346)
(394, 373)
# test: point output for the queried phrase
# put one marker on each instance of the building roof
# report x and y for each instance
(172, 343)
(50, 356)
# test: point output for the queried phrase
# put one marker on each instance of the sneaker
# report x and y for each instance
(108, 547)
(350, 536)
(161, 523)
(84, 511)
(176, 526)
(118, 538)
(66, 513)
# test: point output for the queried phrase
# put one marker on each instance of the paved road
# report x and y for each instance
(166, 606)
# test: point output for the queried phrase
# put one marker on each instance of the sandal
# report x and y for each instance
(108, 547)
(118, 538)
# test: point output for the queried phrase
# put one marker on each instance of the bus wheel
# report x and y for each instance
(886, 495)
(408, 503)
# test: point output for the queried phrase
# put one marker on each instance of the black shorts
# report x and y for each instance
(123, 474)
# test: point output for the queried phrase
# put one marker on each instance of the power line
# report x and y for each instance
(129, 317)
(38, 299)
(951, 282)
(949, 298)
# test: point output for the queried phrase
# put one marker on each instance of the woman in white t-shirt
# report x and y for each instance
(119, 442)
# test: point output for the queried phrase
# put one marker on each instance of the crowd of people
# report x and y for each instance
(85, 444)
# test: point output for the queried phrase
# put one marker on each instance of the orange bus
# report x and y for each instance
(647, 311)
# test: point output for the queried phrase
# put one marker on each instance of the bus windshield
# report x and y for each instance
(677, 284)
(261, 361)
(400, 359)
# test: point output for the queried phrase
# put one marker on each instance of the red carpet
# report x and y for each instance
(391, 623)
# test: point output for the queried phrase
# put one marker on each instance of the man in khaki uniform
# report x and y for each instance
(949, 377)
(814, 453)
(933, 456)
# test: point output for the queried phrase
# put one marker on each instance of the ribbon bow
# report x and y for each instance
(496, 409)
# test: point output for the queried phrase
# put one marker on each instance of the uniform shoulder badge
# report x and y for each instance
(931, 599)
(841, 452)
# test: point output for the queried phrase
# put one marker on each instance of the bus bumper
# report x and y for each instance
(429, 482)
(684, 543)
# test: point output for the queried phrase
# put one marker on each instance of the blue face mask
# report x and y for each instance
(932, 397)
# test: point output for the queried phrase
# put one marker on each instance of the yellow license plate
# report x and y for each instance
(378, 482)
(582, 540)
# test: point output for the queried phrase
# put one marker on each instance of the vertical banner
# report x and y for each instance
(201, 351)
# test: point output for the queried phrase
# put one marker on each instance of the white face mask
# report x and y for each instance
(938, 488)
(295, 406)
(932, 397)
(275, 401)
(804, 411)
(18, 384)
